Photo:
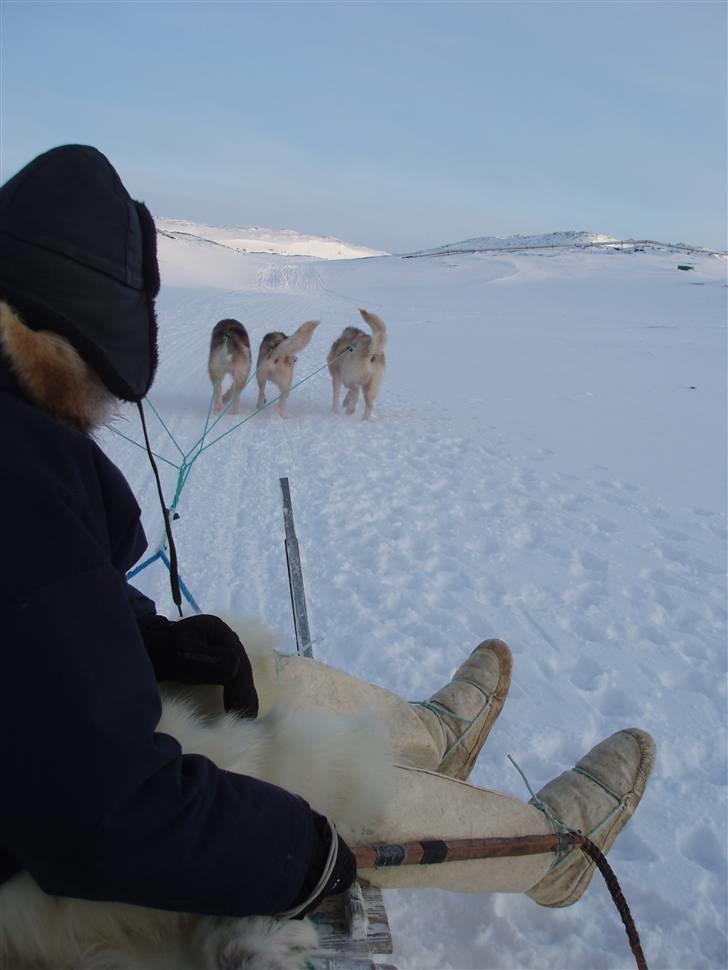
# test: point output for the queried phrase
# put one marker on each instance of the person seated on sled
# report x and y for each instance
(97, 803)
(89, 787)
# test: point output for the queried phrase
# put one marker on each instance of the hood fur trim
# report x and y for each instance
(52, 374)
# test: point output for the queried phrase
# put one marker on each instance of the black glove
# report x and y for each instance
(341, 877)
(201, 650)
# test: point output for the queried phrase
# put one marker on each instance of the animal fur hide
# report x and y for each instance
(53, 374)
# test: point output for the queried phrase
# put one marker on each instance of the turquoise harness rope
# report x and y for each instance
(161, 554)
(184, 467)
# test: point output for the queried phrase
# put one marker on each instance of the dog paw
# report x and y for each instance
(260, 943)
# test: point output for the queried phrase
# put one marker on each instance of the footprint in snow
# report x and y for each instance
(589, 676)
(613, 702)
(702, 847)
(585, 630)
(631, 848)
(584, 561)
(674, 536)
(653, 635)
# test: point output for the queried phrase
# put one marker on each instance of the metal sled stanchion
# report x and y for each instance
(295, 576)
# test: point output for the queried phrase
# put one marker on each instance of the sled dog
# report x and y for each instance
(229, 354)
(339, 764)
(276, 358)
(357, 361)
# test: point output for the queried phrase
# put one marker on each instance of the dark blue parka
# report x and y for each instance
(94, 803)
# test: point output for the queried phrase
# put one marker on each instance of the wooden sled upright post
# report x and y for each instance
(353, 926)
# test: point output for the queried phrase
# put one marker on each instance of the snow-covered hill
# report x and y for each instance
(254, 239)
(545, 463)
(551, 240)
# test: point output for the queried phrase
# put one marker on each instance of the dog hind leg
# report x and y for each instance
(282, 404)
(240, 379)
(371, 389)
(261, 393)
(284, 389)
(219, 399)
(336, 387)
(351, 399)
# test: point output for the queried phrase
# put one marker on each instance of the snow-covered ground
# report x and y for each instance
(545, 463)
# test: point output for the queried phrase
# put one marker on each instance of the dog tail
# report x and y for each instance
(229, 330)
(298, 340)
(379, 332)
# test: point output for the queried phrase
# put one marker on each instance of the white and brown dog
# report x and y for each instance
(276, 358)
(229, 354)
(357, 361)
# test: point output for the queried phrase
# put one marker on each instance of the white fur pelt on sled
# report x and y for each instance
(339, 764)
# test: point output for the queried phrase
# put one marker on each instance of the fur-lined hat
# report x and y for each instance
(78, 256)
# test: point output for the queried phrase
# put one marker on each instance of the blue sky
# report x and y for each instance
(394, 125)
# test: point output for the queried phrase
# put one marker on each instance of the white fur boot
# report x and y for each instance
(461, 714)
(596, 798)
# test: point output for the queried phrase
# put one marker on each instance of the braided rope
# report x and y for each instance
(598, 857)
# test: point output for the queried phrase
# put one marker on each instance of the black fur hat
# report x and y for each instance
(78, 256)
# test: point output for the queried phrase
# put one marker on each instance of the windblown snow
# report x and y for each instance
(545, 464)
